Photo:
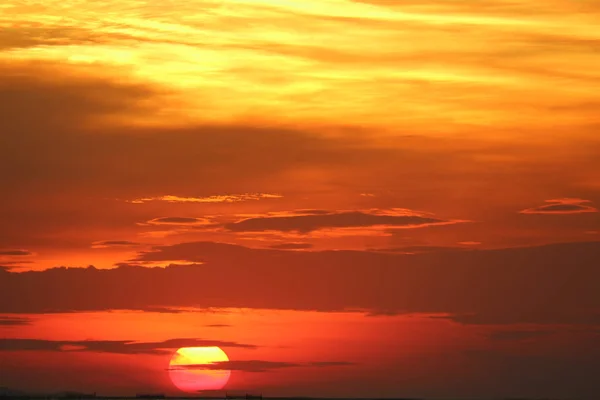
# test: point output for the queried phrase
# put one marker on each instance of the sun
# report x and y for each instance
(188, 372)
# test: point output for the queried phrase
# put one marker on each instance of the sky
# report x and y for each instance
(348, 198)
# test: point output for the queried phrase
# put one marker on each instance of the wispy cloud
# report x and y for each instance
(225, 198)
(304, 49)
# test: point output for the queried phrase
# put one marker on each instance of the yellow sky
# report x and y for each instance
(427, 66)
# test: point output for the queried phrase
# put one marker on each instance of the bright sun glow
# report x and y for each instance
(188, 374)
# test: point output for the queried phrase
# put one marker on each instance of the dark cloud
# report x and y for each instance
(518, 285)
(166, 159)
(510, 335)
(311, 211)
(200, 252)
(330, 363)
(239, 365)
(561, 372)
(17, 262)
(15, 253)
(69, 146)
(419, 249)
(218, 326)
(291, 246)
(562, 206)
(176, 220)
(112, 346)
(162, 310)
(308, 223)
(540, 316)
(258, 365)
(116, 243)
(14, 321)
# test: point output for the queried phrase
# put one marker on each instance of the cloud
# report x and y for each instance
(15, 253)
(330, 363)
(14, 321)
(562, 206)
(114, 243)
(162, 310)
(542, 316)
(80, 115)
(29, 36)
(517, 372)
(291, 246)
(505, 286)
(239, 365)
(226, 198)
(258, 365)
(343, 219)
(178, 221)
(112, 346)
(418, 249)
(17, 262)
(310, 211)
(510, 335)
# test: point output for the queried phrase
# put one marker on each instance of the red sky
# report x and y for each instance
(350, 198)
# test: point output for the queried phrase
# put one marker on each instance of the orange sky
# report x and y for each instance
(332, 153)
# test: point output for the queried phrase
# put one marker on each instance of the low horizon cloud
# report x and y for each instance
(257, 365)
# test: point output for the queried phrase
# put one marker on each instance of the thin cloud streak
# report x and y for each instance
(230, 198)
(14, 321)
(16, 253)
(111, 346)
(179, 221)
(105, 244)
